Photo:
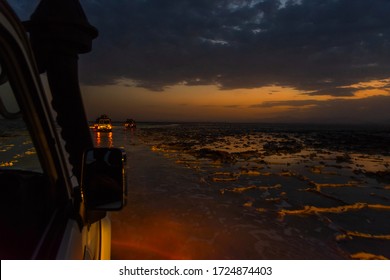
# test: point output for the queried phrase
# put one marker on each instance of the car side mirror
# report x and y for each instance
(104, 186)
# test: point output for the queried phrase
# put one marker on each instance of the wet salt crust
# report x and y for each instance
(16, 147)
(220, 191)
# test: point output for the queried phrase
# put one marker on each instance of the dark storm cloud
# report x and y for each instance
(312, 45)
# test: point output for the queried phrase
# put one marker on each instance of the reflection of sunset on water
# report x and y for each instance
(241, 192)
(208, 230)
(154, 237)
(236, 192)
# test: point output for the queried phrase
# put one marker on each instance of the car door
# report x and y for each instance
(40, 197)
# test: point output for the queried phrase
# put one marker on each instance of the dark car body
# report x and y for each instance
(46, 211)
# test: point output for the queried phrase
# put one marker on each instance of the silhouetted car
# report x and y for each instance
(130, 124)
(47, 210)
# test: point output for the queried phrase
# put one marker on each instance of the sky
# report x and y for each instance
(312, 61)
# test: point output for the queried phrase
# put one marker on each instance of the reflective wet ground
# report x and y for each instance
(201, 192)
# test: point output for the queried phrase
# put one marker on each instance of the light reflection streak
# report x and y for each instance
(103, 139)
(350, 234)
(307, 209)
(367, 256)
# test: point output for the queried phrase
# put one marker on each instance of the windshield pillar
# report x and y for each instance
(59, 32)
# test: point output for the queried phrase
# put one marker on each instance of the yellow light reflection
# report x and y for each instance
(103, 139)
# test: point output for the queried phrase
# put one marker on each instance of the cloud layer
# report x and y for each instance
(317, 46)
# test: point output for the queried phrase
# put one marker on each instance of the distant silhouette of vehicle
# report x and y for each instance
(130, 124)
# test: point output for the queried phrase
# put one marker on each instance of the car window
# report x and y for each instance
(16, 147)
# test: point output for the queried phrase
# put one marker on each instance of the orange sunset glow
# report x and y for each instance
(209, 103)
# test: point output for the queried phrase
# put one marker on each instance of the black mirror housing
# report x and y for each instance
(104, 184)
